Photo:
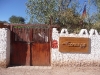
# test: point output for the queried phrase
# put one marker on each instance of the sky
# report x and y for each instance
(12, 7)
(18, 8)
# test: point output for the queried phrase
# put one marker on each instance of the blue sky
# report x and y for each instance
(17, 8)
(12, 7)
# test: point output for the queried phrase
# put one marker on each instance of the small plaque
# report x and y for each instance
(74, 44)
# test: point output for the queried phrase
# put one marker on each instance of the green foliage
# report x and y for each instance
(18, 20)
(97, 2)
(69, 17)
(41, 10)
(61, 12)
(97, 26)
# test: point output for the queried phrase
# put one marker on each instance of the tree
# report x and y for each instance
(61, 12)
(3, 22)
(97, 15)
(15, 19)
(41, 10)
(71, 22)
(97, 3)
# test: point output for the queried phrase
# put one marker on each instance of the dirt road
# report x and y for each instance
(26, 70)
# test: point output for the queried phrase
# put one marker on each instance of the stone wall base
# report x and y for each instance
(3, 64)
(76, 64)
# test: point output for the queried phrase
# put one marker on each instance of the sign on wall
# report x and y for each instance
(74, 44)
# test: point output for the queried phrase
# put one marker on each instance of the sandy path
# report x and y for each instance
(50, 71)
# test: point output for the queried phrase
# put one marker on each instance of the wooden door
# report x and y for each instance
(40, 48)
(30, 46)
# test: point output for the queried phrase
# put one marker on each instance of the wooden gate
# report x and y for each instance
(30, 45)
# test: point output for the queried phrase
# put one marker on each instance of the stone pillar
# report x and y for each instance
(4, 47)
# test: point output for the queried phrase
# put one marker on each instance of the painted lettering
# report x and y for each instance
(70, 44)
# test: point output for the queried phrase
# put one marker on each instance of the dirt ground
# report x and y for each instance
(26, 70)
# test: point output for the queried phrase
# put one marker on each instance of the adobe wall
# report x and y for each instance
(58, 58)
(77, 59)
(4, 47)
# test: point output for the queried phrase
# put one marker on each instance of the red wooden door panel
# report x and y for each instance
(20, 54)
(40, 54)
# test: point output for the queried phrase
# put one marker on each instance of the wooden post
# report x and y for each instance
(2, 25)
(51, 19)
(28, 55)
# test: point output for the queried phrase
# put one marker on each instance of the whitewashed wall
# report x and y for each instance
(77, 59)
(4, 47)
(58, 58)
